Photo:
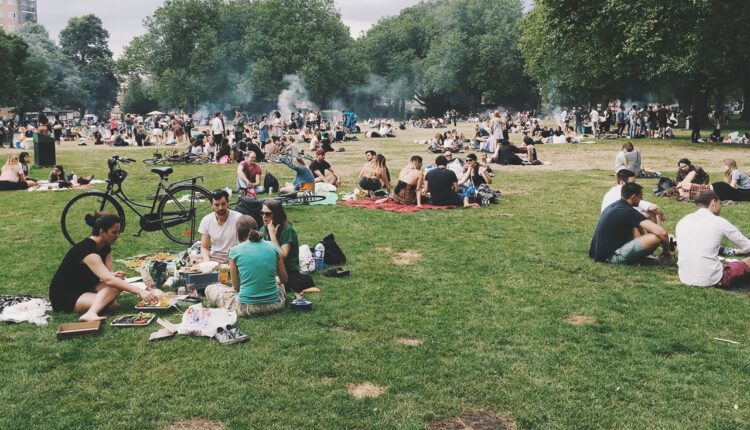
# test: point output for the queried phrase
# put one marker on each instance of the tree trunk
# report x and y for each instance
(745, 101)
(719, 103)
(699, 103)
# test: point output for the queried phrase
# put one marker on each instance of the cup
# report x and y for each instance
(191, 290)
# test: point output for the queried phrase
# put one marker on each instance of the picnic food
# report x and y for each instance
(141, 318)
(162, 302)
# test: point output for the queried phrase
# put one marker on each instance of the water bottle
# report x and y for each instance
(320, 251)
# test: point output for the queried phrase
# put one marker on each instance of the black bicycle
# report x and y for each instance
(175, 158)
(176, 208)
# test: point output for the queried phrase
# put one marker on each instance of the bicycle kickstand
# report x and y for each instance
(138, 234)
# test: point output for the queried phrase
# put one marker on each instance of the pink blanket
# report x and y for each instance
(391, 206)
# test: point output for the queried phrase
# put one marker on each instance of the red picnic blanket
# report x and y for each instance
(391, 206)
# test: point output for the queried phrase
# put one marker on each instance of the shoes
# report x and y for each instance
(672, 244)
(230, 335)
(727, 252)
(338, 272)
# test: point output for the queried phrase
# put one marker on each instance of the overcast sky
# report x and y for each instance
(124, 18)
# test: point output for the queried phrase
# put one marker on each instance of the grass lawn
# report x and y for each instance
(490, 293)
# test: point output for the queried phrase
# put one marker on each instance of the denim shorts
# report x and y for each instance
(628, 253)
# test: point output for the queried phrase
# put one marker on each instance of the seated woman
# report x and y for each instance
(506, 154)
(25, 159)
(408, 190)
(690, 180)
(475, 174)
(737, 184)
(630, 158)
(280, 232)
(303, 181)
(12, 177)
(374, 175)
(85, 282)
(254, 265)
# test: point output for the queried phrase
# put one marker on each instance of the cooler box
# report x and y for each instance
(201, 280)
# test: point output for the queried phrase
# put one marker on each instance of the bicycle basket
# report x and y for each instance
(117, 177)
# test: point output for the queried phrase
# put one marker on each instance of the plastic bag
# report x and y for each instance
(306, 260)
(32, 311)
(200, 321)
(324, 187)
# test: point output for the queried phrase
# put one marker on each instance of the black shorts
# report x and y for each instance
(64, 300)
(13, 186)
(370, 184)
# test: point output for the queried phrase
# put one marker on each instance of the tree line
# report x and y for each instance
(441, 54)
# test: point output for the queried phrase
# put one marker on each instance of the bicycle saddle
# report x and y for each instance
(163, 172)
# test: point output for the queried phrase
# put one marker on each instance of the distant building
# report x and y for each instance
(15, 13)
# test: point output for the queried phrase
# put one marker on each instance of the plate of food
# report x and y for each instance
(134, 320)
(164, 302)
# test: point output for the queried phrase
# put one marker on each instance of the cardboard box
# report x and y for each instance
(66, 331)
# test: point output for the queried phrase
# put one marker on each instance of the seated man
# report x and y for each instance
(442, 184)
(322, 169)
(303, 181)
(624, 235)
(624, 176)
(249, 174)
(454, 163)
(699, 237)
(218, 230)
(85, 282)
(506, 154)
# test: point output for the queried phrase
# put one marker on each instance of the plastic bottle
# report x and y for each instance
(320, 250)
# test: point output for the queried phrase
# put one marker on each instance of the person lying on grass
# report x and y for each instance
(304, 179)
(699, 237)
(280, 232)
(506, 154)
(653, 212)
(408, 190)
(624, 235)
(442, 185)
(85, 282)
(254, 265)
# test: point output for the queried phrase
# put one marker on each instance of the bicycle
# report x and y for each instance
(175, 158)
(176, 208)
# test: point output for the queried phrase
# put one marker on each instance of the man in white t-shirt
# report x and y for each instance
(649, 210)
(594, 118)
(699, 237)
(218, 229)
(217, 128)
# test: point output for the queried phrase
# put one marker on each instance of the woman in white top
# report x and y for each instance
(12, 177)
(737, 184)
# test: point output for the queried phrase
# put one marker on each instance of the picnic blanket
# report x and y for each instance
(392, 206)
(46, 186)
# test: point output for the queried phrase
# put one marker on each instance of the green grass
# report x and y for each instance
(489, 298)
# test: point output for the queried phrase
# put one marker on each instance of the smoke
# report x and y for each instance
(294, 97)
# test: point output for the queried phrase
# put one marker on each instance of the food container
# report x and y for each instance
(130, 320)
(66, 331)
(301, 305)
(207, 266)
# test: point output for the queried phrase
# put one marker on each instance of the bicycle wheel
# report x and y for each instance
(73, 218)
(181, 210)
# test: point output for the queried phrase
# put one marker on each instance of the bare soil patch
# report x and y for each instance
(406, 258)
(408, 341)
(580, 320)
(478, 420)
(364, 389)
(196, 424)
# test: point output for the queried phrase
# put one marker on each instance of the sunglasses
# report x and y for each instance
(266, 213)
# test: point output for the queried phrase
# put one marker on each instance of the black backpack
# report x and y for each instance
(333, 253)
(249, 206)
(270, 181)
(664, 185)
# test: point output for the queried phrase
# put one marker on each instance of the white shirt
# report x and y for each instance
(698, 237)
(457, 168)
(223, 237)
(615, 193)
(594, 116)
(217, 127)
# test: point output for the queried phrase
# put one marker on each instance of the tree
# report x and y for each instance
(56, 76)
(137, 97)
(85, 42)
(16, 71)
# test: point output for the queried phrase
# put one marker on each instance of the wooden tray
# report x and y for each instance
(67, 331)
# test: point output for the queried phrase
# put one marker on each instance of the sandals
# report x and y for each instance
(338, 272)
(230, 335)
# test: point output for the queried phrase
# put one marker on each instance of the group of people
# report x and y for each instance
(14, 175)
(630, 230)
(263, 262)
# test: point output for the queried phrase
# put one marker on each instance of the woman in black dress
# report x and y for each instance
(85, 282)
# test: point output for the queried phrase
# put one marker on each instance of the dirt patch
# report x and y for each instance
(364, 389)
(408, 341)
(327, 379)
(478, 420)
(195, 424)
(406, 258)
(580, 320)
(384, 249)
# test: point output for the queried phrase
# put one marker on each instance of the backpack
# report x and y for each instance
(251, 207)
(664, 185)
(270, 181)
(486, 195)
(333, 253)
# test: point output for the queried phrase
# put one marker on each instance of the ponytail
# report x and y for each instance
(247, 228)
(101, 222)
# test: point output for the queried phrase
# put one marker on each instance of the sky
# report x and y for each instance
(124, 19)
